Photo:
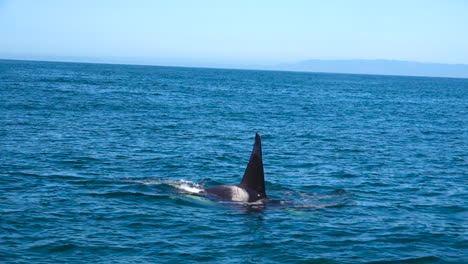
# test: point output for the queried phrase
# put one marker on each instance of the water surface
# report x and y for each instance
(96, 162)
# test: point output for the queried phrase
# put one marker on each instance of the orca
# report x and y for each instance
(252, 187)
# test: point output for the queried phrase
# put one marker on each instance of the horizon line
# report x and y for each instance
(253, 68)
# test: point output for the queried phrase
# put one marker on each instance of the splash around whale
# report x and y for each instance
(252, 187)
(250, 192)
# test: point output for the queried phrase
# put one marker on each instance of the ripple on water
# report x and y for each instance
(102, 164)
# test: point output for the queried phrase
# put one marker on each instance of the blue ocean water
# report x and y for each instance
(99, 163)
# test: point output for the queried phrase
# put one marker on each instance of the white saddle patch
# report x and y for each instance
(239, 194)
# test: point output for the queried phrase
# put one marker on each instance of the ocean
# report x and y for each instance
(103, 164)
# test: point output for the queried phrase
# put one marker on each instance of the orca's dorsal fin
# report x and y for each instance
(254, 178)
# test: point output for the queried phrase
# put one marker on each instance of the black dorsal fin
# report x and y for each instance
(254, 178)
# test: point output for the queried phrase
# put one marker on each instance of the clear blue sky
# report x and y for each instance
(240, 32)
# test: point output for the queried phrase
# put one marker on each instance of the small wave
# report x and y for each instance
(320, 206)
(150, 182)
(339, 192)
(132, 195)
(187, 186)
(183, 185)
(55, 246)
(427, 259)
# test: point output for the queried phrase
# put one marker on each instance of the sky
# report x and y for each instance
(240, 32)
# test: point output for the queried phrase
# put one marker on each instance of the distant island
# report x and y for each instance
(376, 67)
(383, 67)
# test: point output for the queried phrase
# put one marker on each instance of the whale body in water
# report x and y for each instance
(252, 187)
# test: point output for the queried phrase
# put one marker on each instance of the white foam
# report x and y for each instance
(186, 186)
(183, 185)
(150, 182)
